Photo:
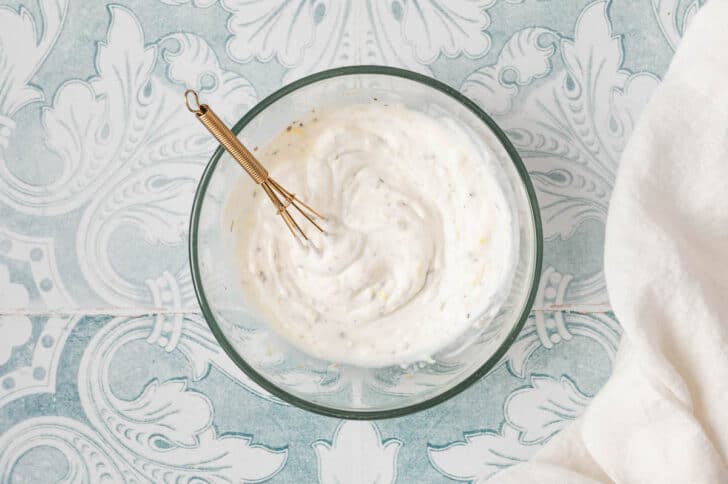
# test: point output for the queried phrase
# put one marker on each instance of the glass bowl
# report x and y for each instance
(327, 387)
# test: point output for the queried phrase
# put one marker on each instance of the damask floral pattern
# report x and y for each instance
(108, 371)
(357, 454)
(674, 16)
(16, 327)
(309, 36)
(533, 415)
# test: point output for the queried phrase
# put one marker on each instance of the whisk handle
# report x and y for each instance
(230, 142)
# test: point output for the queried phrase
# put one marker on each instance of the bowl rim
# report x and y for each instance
(279, 392)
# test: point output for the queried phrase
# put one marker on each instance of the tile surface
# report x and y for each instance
(98, 167)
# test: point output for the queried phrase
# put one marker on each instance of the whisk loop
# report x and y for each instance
(281, 198)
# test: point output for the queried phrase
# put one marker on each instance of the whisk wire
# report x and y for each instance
(292, 200)
(281, 209)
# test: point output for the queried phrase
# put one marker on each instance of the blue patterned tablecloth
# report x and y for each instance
(108, 373)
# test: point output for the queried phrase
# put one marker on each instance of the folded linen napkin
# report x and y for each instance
(663, 415)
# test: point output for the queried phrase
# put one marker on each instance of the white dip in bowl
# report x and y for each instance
(419, 243)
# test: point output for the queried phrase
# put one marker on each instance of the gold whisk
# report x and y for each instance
(253, 167)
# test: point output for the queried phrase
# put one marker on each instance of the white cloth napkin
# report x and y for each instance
(663, 415)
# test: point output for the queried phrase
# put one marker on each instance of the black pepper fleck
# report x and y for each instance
(289, 127)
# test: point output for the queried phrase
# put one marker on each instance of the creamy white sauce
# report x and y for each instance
(418, 246)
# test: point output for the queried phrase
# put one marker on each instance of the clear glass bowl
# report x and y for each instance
(327, 387)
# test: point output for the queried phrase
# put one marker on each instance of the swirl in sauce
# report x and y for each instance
(418, 244)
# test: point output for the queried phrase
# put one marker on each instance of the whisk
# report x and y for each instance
(253, 167)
